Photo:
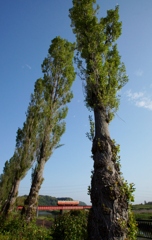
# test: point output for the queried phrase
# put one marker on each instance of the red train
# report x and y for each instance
(68, 203)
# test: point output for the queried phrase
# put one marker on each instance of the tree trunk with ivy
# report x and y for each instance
(109, 214)
(104, 75)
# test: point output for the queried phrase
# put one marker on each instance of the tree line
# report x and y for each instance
(45, 200)
(100, 68)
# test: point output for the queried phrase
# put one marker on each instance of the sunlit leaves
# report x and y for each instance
(103, 71)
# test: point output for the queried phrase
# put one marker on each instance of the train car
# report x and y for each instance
(68, 203)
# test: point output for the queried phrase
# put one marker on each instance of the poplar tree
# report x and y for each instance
(54, 89)
(104, 75)
(43, 127)
(5, 181)
(16, 168)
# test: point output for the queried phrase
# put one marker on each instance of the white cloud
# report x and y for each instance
(140, 99)
(146, 103)
(139, 72)
(135, 95)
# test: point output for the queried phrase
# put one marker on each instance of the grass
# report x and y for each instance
(142, 207)
(143, 216)
(142, 211)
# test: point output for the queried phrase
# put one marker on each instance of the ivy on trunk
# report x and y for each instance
(104, 75)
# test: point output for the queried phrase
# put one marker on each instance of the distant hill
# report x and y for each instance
(45, 200)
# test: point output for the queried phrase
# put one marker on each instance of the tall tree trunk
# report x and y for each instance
(32, 200)
(109, 206)
(8, 206)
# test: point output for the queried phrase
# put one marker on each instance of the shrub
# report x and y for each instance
(15, 228)
(70, 226)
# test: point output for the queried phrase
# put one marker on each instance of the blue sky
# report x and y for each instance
(27, 28)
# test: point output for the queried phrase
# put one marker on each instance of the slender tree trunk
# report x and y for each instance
(109, 206)
(8, 206)
(32, 200)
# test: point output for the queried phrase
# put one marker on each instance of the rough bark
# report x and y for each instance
(31, 202)
(108, 216)
(8, 206)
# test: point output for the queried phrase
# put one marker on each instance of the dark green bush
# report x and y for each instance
(70, 226)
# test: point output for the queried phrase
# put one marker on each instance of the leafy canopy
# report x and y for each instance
(55, 92)
(98, 58)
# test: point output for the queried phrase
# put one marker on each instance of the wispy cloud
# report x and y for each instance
(135, 95)
(140, 99)
(28, 66)
(139, 73)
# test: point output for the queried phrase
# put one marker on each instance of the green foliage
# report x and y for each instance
(132, 229)
(89, 187)
(100, 66)
(89, 190)
(5, 180)
(54, 91)
(15, 228)
(129, 226)
(128, 190)
(23, 156)
(147, 206)
(45, 200)
(44, 123)
(115, 148)
(70, 226)
(90, 135)
(143, 216)
(98, 58)
(142, 211)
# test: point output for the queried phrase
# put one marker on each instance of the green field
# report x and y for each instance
(143, 211)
